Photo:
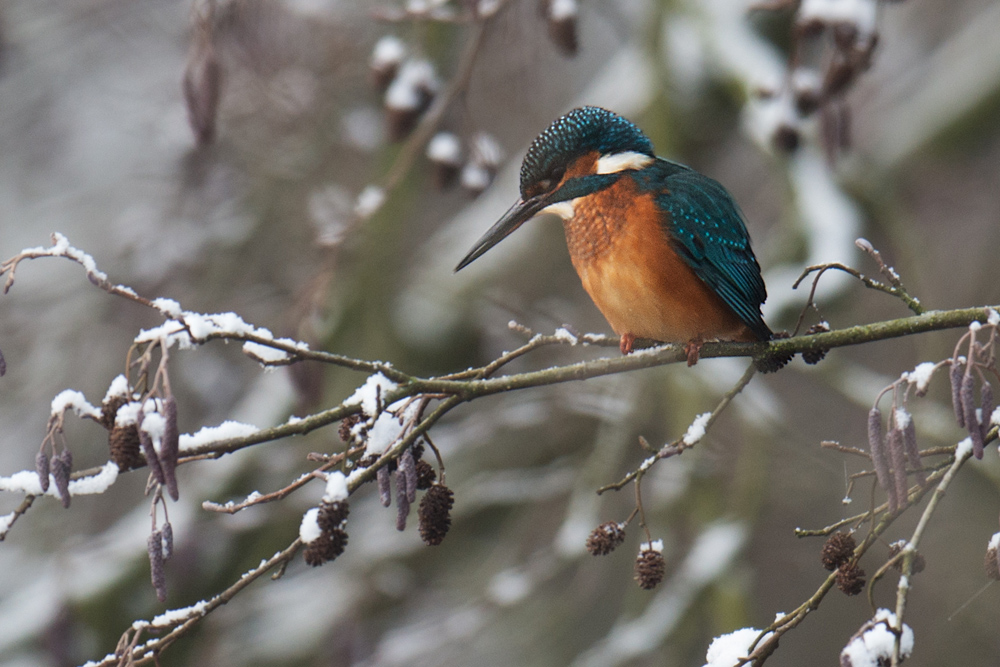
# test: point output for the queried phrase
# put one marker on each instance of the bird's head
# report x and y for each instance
(579, 154)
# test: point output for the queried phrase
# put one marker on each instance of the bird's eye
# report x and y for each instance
(552, 180)
(547, 184)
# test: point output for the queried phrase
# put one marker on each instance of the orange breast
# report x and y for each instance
(636, 278)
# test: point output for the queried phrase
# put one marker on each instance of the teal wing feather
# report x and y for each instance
(706, 228)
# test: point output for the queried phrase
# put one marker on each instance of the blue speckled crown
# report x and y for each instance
(581, 130)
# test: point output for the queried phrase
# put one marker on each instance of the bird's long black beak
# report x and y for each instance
(516, 216)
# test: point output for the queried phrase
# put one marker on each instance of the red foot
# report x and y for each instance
(626, 343)
(693, 350)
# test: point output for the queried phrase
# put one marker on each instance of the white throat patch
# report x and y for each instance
(563, 209)
(615, 162)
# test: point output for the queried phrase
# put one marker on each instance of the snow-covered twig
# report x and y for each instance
(181, 621)
(696, 431)
(257, 498)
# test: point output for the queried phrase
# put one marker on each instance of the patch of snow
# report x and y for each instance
(655, 545)
(388, 51)
(70, 399)
(446, 148)
(227, 430)
(726, 650)
(696, 431)
(336, 487)
(309, 529)
(371, 395)
(264, 353)
(174, 616)
(921, 375)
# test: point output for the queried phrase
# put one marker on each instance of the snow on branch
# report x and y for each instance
(27, 482)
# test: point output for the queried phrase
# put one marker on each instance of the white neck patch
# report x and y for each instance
(615, 162)
(563, 209)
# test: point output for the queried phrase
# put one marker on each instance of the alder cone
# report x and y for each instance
(435, 514)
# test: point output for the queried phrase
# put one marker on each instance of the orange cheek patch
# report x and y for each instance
(584, 165)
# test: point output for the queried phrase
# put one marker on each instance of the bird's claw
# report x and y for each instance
(627, 343)
(693, 351)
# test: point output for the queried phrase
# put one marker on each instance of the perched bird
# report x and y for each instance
(661, 249)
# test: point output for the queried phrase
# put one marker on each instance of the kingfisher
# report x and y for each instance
(662, 250)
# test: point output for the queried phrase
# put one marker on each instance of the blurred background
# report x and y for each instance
(260, 214)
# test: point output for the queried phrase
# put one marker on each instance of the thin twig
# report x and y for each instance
(679, 446)
(902, 590)
(17, 514)
(892, 290)
(302, 480)
(858, 519)
(535, 342)
(147, 652)
(830, 444)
